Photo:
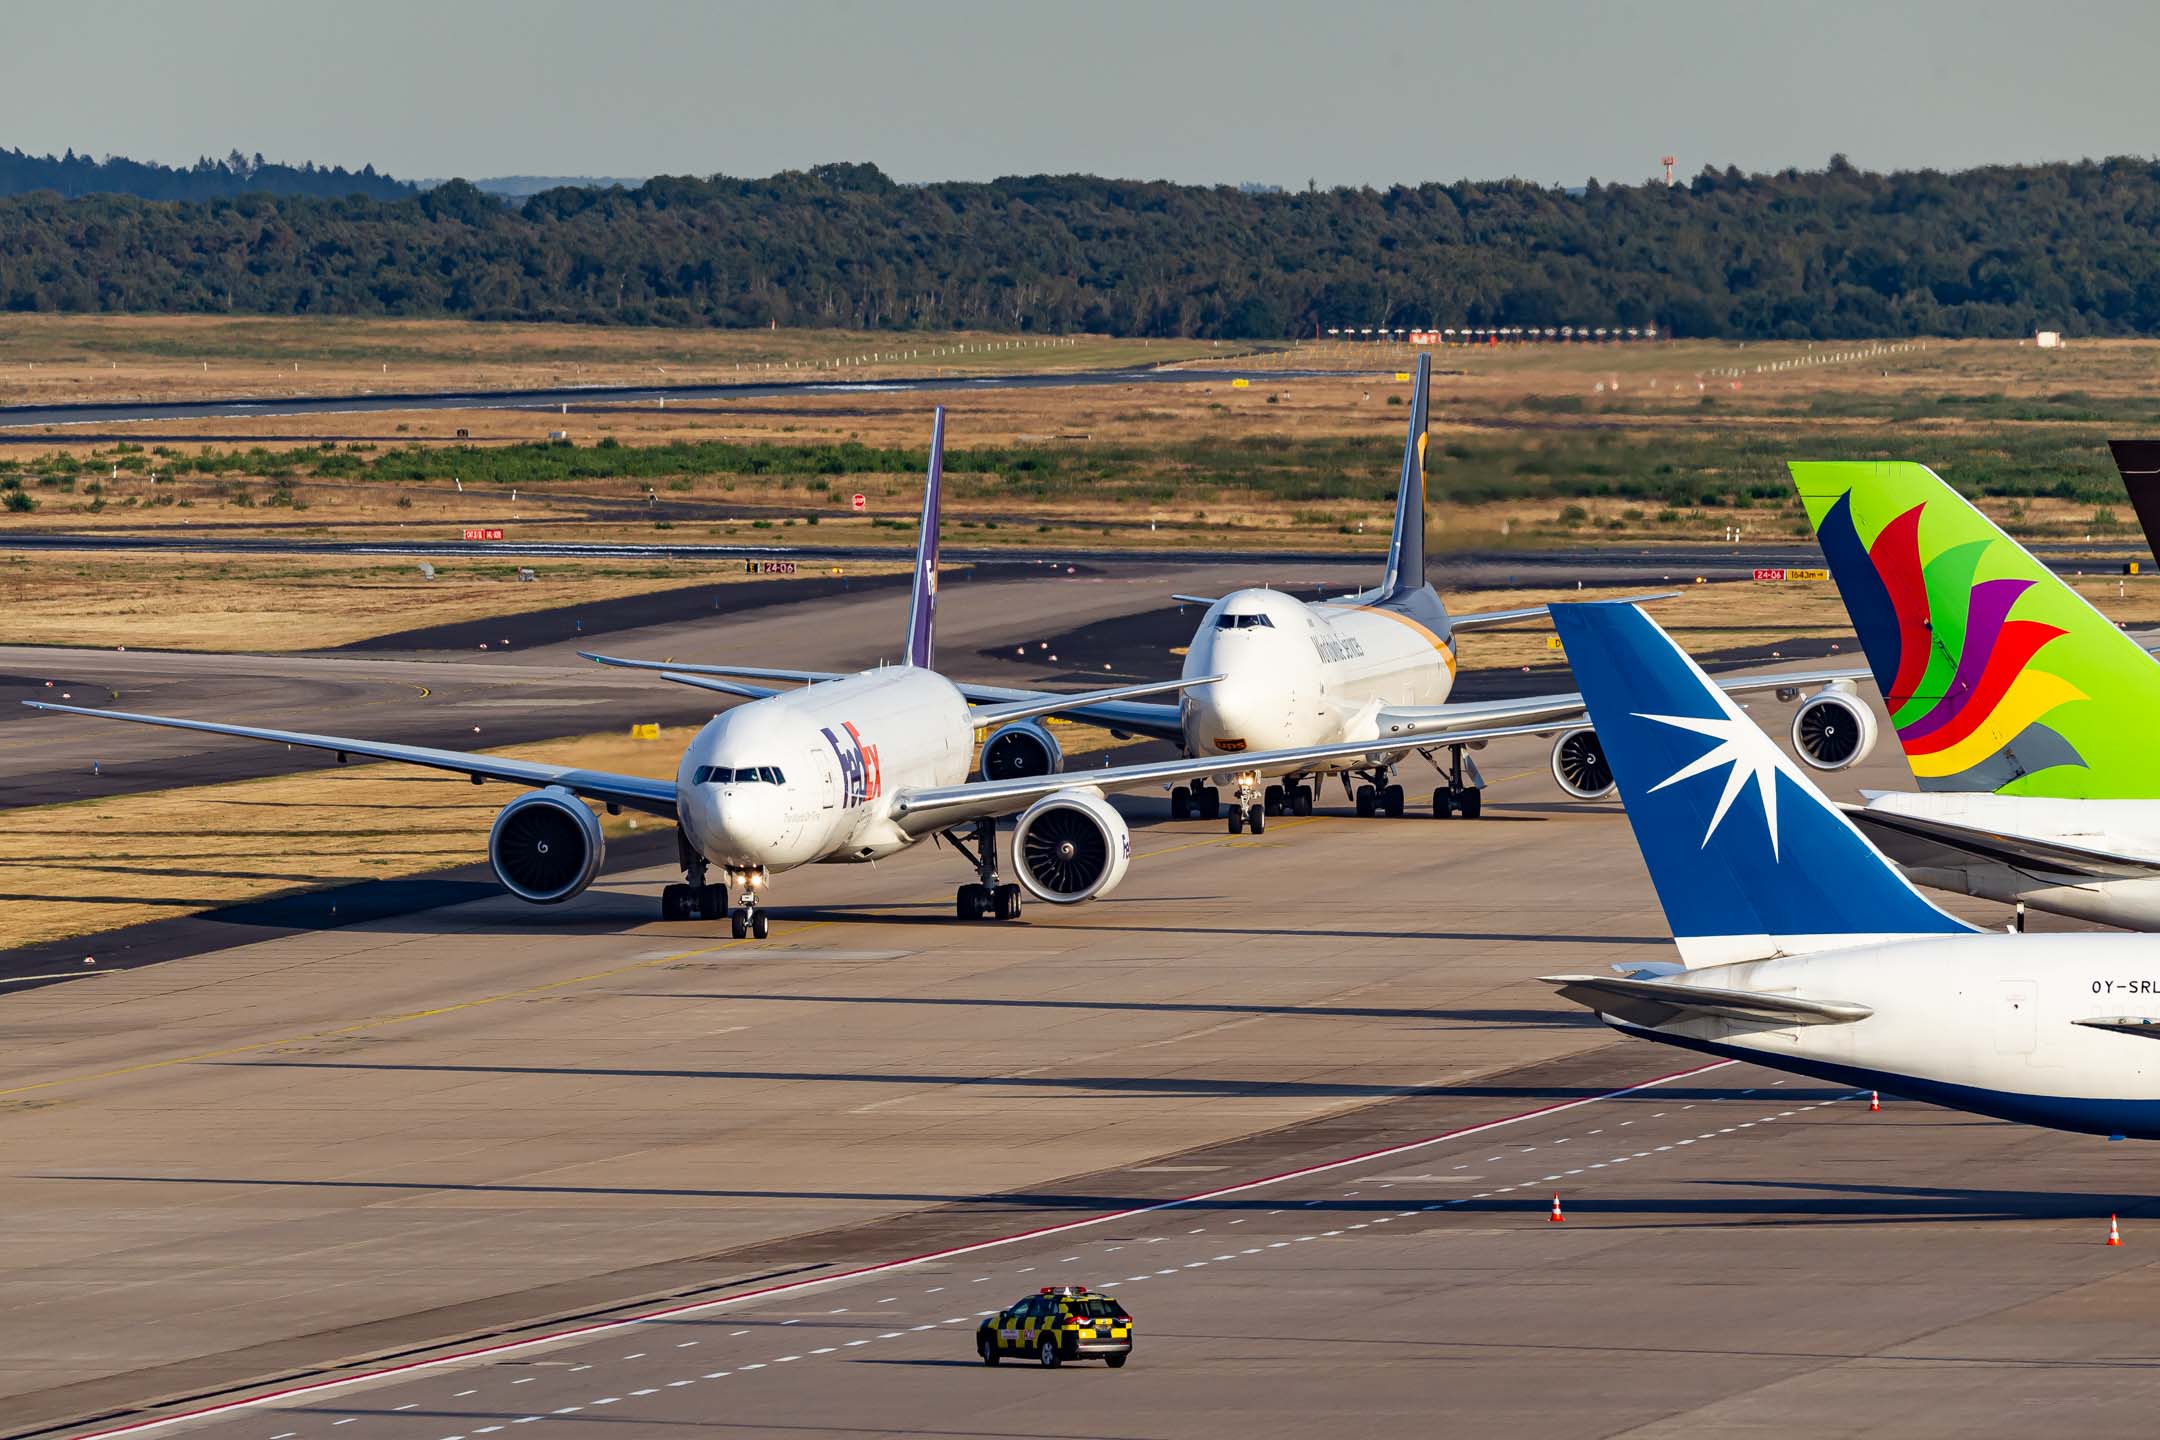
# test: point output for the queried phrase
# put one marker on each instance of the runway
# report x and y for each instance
(583, 397)
(259, 1167)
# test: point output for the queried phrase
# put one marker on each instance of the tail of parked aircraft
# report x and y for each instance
(1749, 859)
(1406, 548)
(922, 602)
(1996, 674)
(2139, 462)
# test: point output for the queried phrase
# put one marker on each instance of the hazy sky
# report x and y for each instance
(1345, 92)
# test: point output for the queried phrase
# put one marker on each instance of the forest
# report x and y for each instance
(1836, 252)
(76, 175)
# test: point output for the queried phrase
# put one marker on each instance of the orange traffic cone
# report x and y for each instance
(1874, 1102)
(2114, 1232)
(1556, 1217)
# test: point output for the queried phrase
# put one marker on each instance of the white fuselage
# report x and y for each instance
(1978, 1022)
(1298, 674)
(809, 776)
(2126, 828)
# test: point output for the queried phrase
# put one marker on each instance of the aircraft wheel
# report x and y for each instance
(1256, 819)
(1235, 820)
(739, 925)
(760, 924)
(1274, 802)
(1472, 802)
(1364, 801)
(1180, 803)
(711, 901)
(1008, 902)
(1301, 800)
(675, 902)
(973, 902)
(1443, 808)
(1391, 800)
(1208, 801)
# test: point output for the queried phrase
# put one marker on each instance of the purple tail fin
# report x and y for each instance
(922, 608)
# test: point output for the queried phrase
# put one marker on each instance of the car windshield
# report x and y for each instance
(1243, 622)
(737, 775)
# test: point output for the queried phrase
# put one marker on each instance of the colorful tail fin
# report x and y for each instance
(922, 604)
(1748, 858)
(1406, 549)
(1997, 675)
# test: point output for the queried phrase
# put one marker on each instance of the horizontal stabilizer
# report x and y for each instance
(724, 687)
(2020, 852)
(749, 672)
(1029, 708)
(2144, 1025)
(1658, 1002)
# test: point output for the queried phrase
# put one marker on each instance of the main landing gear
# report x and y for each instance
(987, 899)
(1201, 802)
(1376, 794)
(701, 901)
(1456, 798)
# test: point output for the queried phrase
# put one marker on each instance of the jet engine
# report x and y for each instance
(1071, 846)
(1579, 764)
(1833, 729)
(1021, 751)
(546, 846)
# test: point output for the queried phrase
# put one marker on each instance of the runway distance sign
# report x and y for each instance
(1780, 573)
(769, 567)
(859, 501)
(484, 533)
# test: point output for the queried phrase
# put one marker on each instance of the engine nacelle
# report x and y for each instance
(1022, 751)
(1071, 846)
(546, 846)
(1579, 765)
(1833, 730)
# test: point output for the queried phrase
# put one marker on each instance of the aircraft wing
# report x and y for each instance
(930, 808)
(1894, 833)
(1429, 723)
(1656, 1002)
(653, 797)
(1481, 620)
(740, 689)
(1028, 704)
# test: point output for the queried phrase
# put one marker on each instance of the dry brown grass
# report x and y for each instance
(264, 604)
(58, 359)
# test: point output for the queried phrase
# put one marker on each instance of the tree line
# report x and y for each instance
(74, 175)
(1996, 251)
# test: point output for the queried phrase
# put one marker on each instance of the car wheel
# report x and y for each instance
(1116, 1362)
(1049, 1355)
(987, 1348)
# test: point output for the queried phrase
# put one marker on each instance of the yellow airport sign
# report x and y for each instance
(1403, 376)
(1552, 642)
(644, 732)
(1241, 384)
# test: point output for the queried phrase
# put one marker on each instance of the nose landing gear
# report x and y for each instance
(987, 899)
(699, 900)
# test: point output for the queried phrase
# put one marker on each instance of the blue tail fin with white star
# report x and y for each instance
(1749, 859)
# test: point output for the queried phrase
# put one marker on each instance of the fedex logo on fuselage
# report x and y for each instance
(860, 776)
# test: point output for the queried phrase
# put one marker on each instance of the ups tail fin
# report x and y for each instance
(1996, 674)
(1748, 857)
(922, 602)
(1406, 548)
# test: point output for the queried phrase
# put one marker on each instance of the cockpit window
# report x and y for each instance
(737, 775)
(1243, 622)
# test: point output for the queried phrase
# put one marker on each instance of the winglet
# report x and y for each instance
(1406, 548)
(1748, 857)
(922, 604)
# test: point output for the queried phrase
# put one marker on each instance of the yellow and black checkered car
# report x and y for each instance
(1056, 1324)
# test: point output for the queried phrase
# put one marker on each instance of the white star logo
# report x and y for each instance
(1751, 753)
